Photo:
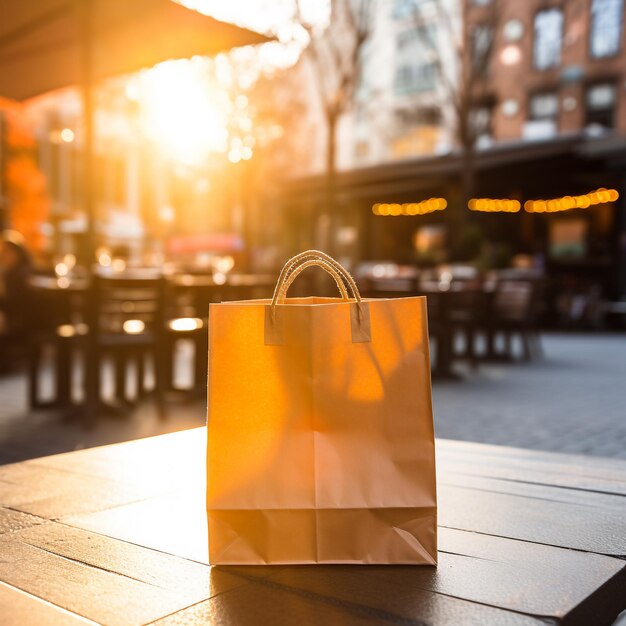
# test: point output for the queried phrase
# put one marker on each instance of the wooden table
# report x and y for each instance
(117, 535)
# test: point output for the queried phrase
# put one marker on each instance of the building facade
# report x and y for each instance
(554, 67)
(402, 107)
(551, 100)
(558, 67)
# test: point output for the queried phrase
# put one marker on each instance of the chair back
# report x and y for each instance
(128, 305)
(514, 300)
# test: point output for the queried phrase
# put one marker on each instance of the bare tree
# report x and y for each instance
(335, 58)
(464, 80)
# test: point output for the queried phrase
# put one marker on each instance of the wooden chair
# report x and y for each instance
(186, 319)
(125, 314)
(514, 312)
(56, 326)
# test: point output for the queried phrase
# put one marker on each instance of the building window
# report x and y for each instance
(606, 27)
(415, 78)
(416, 70)
(600, 101)
(481, 45)
(543, 106)
(548, 38)
(480, 121)
(403, 9)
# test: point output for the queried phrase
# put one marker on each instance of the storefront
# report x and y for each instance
(395, 212)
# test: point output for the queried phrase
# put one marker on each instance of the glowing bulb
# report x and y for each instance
(133, 327)
(67, 135)
(66, 330)
(61, 269)
(118, 265)
(186, 324)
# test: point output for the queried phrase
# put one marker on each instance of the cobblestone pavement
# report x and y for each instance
(574, 400)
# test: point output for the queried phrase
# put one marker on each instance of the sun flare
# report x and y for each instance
(182, 111)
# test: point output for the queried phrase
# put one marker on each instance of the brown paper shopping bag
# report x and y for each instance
(320, 431)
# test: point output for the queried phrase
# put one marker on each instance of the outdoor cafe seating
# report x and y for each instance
(125, 329)
(128, 328)
(471, 318)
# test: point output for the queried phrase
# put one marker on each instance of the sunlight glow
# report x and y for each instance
(182, 111)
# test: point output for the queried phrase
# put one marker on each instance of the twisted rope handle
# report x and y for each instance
(280, 293)
(359, 311)
(292, 263)
(310, 258)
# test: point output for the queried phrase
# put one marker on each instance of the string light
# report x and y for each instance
(492, 205)
(600, 196)
(410, 208)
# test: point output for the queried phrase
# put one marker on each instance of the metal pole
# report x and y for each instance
(4, 195)
(86, 61)
(91, 355)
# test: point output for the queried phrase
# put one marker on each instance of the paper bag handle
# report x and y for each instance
(359, 311)
(280, 293)
(314, 258)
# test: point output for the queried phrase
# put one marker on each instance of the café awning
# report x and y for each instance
(50, 44)
(41, 40)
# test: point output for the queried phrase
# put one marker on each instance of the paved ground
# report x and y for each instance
(572, 401)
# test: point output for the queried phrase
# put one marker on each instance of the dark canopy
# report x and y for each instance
(40, 40)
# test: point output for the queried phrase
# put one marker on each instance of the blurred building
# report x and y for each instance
(402, 108)
(554, 68)
(558, 67)
(551, 101)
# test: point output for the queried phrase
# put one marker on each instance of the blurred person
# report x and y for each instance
(15, 271)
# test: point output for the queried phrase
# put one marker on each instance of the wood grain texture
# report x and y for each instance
(18, 609)
(10, 520)
(153, 465)
(273, 605)
(102, 579)
(51, 493)
(487, 571)
(390, 594)
(539, 520)
(181, 527)
(516, 464)
(118, 535)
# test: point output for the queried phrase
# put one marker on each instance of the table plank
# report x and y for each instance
(256, 605)
(575, 463)
(515, 576)
(595, 499)
(26, 609)
(268, 603)
(153, 465)
(530, 466)
(50, 493)
(549, 522)
(523, 537)
(181, 529)
(10, 520)
(103, 579)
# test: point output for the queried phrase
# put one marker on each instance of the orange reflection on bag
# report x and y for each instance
(320, 431)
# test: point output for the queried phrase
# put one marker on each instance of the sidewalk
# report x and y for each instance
(574, 401)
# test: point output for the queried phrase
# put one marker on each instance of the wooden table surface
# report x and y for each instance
(117, 535)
